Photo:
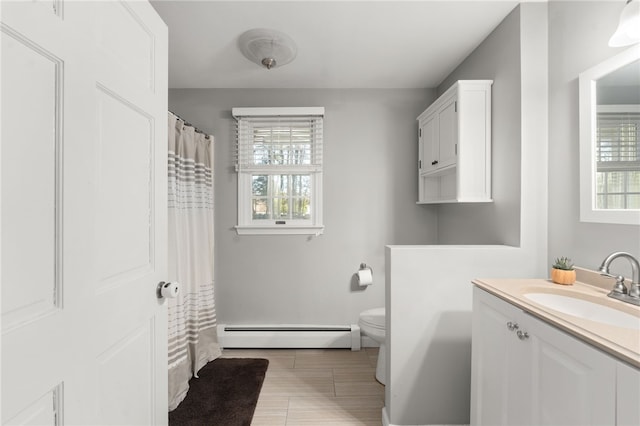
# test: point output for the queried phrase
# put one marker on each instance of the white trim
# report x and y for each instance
(385, 417)
(275, 112)
(618, 108)
(385, 420)
(587, 108)
(280, 230)
(289, 336)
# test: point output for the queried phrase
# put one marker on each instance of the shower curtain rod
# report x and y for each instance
(186, 123)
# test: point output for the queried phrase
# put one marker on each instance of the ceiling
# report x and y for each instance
(341, 44)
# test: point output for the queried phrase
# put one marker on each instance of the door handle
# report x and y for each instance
(434, 162)
(168, 290)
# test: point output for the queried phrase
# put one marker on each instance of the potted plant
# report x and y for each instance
(562, 271)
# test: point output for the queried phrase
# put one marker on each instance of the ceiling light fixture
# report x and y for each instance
(628, 31)
(269, 48)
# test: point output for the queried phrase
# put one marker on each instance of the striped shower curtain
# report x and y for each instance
(192, 317)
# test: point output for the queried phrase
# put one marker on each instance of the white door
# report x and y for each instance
(500, 373)
(83, 218)
(491, 359)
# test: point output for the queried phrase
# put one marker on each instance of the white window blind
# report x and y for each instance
(618, 160)
(279, 165)
(617, 136)
(288, 142)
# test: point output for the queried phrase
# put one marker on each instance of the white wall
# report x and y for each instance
(429, 305)
(429, 294)
(578, 37)
(370, 190)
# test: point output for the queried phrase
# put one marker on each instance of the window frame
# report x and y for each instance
(246, 224)
(587, 103)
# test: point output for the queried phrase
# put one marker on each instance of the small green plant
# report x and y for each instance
(563, 263)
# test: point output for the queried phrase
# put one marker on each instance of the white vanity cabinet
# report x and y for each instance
(628, 392)
(454, 145)
(527, 372)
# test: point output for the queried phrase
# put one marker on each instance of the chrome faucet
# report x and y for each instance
(619, 291)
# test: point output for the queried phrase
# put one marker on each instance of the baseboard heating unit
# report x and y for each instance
(289, 336)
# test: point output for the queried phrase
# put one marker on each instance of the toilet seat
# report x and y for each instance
(374, 318)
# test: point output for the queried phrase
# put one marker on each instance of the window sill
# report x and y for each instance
(279, 230)
(620, 217)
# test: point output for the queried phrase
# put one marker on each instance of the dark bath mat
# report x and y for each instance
(225, 394)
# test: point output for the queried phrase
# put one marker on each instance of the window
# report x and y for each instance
(617, 158)
(279, 165)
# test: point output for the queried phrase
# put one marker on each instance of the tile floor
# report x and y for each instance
(317, 387)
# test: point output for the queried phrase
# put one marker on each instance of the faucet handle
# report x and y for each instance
(619, 286)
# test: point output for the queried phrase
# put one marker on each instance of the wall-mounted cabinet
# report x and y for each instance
(454, 145)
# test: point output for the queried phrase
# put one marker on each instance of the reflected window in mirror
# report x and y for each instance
(610, 140)
(617, 139)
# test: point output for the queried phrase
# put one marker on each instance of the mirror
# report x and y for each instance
(610, 140)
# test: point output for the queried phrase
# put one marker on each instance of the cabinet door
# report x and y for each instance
(491, 360)
(430, 147)
(447, 133)
(571, 383)
(628, 395)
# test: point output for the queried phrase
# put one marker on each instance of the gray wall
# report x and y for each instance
(497, 59)
(428, 379)
(578, 37)
(370, 191)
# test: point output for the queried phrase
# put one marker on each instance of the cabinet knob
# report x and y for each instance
(434, 162)
(512, 326)
(522, 335)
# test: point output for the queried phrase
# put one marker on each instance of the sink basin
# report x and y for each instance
(585, 309)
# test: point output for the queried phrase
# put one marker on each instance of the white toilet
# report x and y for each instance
(372, 324)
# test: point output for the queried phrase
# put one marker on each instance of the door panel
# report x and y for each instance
(83, 191)
(136, 348)
(43, 411)
(628, 394)
(448, 133)
(571, 382)
(431, 150)
(30, 180)
(131, 48)
(490, 362)
(125, 137)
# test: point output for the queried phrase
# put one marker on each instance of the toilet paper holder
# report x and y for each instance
(364, 275)
(364, 266)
